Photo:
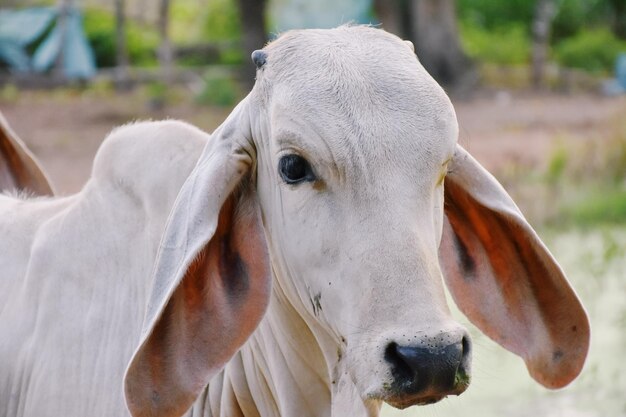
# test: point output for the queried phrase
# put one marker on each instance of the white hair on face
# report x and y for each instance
(370, 82)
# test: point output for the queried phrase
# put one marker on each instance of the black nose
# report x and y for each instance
(437, 370)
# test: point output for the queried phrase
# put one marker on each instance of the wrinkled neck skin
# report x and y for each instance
(290, 366)
(293, 364)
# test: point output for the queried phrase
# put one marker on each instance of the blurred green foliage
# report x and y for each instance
(191, 22)
(9, 93)
(492, 32)
(194, 21)
(221, 21)
(499, 32)
(592, 50)
(503, 45)
(591, 181)
(571, 16)
(602, 206)
(142, 41)
(492, 14)
(556, 165)
(157, 91)
(221, 91)
(576, 15)
(186, 19)
(605, 160)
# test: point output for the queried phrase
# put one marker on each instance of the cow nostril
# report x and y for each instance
(462, 377)
(466, 346)
(435, 368)
(413, 367)
(401, 369)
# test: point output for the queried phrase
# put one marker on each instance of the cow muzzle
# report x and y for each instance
(428, 371)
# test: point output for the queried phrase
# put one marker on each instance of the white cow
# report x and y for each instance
(294, 269)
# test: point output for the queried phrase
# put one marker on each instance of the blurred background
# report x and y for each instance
(539, 87)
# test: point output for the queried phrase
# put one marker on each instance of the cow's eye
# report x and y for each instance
(295, 169)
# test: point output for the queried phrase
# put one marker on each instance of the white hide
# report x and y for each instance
(354, 254)
(75, 274)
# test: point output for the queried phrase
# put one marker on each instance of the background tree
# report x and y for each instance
(619, 17)
(542, 22)
(393, 15)
(165, 52)
(121, 52)
(254, 36)
(432, 27)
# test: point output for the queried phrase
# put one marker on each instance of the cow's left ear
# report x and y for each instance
(19, 168)
(211, 281)
(505, 280)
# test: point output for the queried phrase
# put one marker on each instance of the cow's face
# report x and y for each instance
(354, 140)
(332, 175)
(350, 175)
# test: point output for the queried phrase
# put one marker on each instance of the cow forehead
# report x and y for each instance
(352, 69)
(356, 90)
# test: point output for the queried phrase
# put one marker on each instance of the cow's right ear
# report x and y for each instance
(504, 279)
(211, 282)
(19, 168)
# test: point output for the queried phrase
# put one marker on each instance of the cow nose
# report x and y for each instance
(430, 369)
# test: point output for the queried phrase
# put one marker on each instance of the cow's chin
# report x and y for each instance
(404, 401)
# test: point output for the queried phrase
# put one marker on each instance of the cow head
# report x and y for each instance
(340, 172)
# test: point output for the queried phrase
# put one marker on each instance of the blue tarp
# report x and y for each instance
(19, 28)
(24, 26)
(14, 55)
(617, 85)
(620, 70)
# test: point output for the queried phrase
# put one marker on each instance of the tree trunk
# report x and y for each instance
(542, 21)
(141, 11)
(619, 17)
(121, 53)
(252, 15)
(166, 56)
(391, 13)
(436, 39)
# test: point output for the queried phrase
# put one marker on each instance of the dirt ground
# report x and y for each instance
(65, 128)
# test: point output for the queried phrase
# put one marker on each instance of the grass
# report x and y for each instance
(582, 185)
(9, 93)
(606, 206)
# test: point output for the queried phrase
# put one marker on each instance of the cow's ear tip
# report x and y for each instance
(560, 367)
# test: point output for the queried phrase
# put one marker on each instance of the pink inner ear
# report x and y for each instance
(215, 308)
(507, 283)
